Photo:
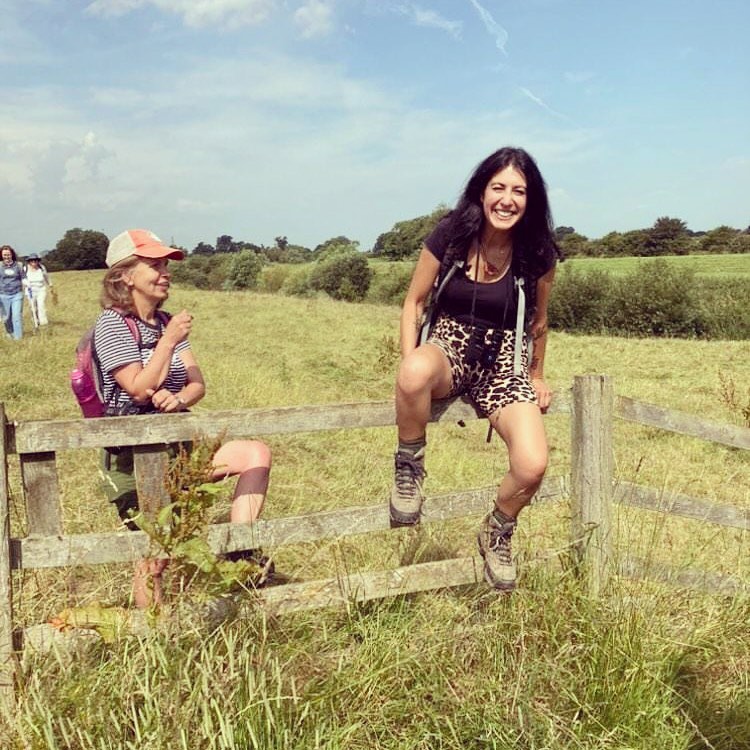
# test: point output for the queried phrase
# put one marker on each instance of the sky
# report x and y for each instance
(312, 119)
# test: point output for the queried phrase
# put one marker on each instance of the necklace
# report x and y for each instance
(490, 269)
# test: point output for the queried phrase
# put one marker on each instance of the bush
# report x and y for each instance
(657, 299)
(389, 283)
(202, 271)
(723, 308)
(580, 301)
(243, 271)
(297, 282)
(344, 276)
(273, 276)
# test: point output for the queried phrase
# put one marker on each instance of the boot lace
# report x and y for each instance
(410, 474)
(499, 542)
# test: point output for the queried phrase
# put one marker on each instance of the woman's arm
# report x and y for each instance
(137, 379)
(422, 280)
(192, 392)
(539, 335)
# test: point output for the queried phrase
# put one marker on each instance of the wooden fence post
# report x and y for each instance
(7, 656)
(591, 468)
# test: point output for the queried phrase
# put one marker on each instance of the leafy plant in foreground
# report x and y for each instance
(178, 530)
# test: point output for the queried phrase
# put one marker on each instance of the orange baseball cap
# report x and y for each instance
(139, 242)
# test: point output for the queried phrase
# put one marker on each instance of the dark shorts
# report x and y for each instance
(118, 480)
(490, 388)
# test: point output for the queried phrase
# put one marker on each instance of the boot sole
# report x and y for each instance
(399, 518)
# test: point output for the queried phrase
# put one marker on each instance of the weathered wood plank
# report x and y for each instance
(591, 472)
(66, 434)
(7, 658)
(41, 493)
(676, 504)
(682, 423)
(124, 546)
(151, 463)
(366, 586)
(689, 578)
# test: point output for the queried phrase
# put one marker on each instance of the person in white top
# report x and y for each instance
(37, 283)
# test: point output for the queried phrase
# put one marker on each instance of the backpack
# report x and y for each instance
(86, 378)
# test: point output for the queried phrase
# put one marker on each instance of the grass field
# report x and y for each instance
(719, 266)
(644, 667)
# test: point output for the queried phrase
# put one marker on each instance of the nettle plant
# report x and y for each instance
(179, 529)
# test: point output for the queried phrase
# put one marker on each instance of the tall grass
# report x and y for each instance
(715, 266)
(545, 668)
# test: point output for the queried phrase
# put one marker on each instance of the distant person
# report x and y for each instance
(37, 283)
(497, 250)
(11, 292)
(159, 374)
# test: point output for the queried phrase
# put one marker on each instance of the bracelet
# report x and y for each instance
(180, 400)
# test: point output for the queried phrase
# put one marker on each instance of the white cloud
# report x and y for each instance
(428, 18)
(195, 13)
(540, 102)
(492, 26)
(315, 18)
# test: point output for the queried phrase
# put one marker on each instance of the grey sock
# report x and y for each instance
(501, 517)
(412, 446)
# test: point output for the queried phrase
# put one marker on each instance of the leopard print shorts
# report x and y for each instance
(489, 388)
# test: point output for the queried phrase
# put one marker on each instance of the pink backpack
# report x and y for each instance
(86, 377)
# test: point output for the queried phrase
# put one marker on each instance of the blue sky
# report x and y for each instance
(316, 118)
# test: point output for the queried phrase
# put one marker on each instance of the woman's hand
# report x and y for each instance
(543, 393)
(178, 328)
(166, 401)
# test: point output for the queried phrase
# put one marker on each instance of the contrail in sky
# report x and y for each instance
(500, 34)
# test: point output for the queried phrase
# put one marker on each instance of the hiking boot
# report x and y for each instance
(265, 565)
(494, 546)
(406, 495)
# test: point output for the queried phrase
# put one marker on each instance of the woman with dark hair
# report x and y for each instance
(156, 372)
(11, 292)
(489, 265)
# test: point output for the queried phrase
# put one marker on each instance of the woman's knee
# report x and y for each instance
(238, 456)
(529, 469)
(418, 372)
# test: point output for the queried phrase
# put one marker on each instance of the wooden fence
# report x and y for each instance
(591, 486)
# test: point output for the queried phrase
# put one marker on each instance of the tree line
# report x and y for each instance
(86, 248)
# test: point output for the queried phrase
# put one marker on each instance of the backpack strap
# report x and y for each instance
(447, 271)
(129, 321)
(520, 326)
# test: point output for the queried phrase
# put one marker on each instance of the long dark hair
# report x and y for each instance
(534, 246)
(13, 255)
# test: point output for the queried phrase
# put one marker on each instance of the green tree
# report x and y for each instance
(203, 248)
(322, 250)
(243, 271)
(79, 249)
(667, 236)
(225, 244)
(718, 240)
(572, 244)
(406, 238)
(345, 275)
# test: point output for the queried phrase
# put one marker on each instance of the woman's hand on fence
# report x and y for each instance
(543, 393)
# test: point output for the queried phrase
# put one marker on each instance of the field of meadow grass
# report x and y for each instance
(714, 266)
(643, 667)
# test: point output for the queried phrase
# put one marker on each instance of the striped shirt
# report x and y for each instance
(116, 347)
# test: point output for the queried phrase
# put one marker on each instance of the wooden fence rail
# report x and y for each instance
(592, 406)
